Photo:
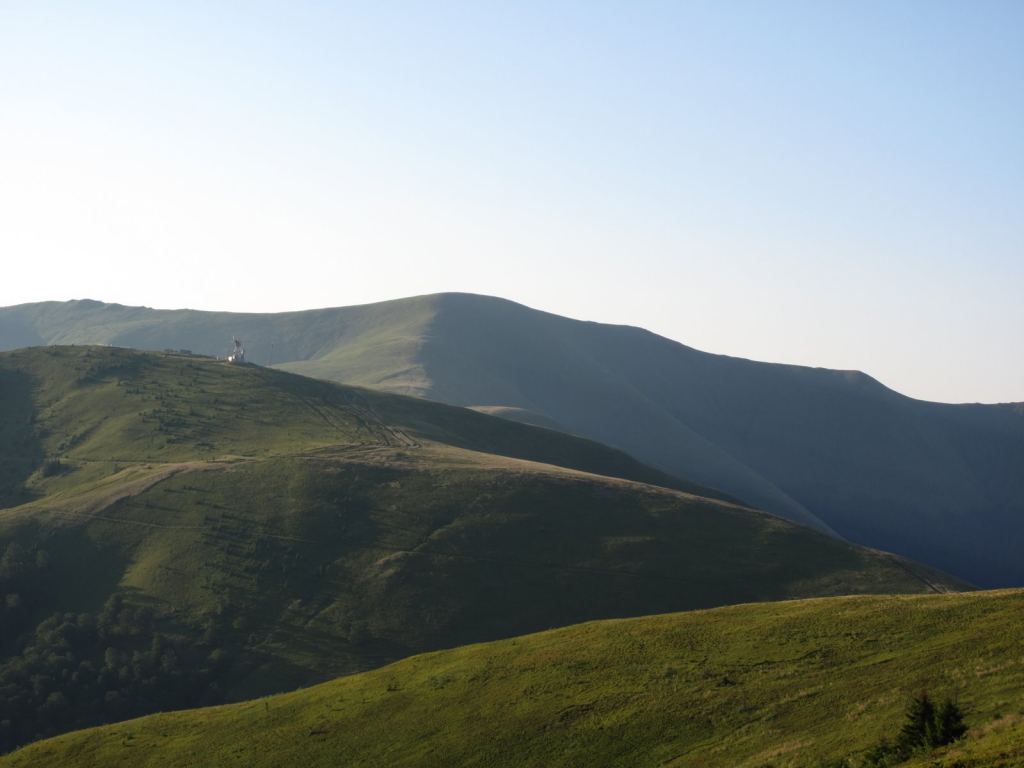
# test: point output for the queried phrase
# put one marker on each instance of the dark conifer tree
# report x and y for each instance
(949, 723)
(918, 726)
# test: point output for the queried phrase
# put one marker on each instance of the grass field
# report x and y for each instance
(342, 528)
(799, 683)
(279, 531)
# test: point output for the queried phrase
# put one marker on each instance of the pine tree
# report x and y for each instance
(918, 727)
(949, 723)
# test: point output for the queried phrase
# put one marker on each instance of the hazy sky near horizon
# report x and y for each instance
(837, 184)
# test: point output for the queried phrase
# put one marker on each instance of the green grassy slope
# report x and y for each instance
(832, 449)
(785, 684)
(373, 343)
(284, 530)
(108, 405)
(940, 483)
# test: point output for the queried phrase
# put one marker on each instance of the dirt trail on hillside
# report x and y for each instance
(127, 483)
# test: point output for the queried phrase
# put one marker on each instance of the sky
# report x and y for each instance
(835, 184)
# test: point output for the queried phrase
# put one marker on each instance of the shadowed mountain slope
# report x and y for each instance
(794, 685)
(180, 531)
(835, 450)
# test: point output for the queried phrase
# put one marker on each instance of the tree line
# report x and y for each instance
(75, 670)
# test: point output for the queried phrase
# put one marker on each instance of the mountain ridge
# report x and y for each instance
(835, 450)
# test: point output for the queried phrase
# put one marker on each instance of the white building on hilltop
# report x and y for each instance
(237, 355)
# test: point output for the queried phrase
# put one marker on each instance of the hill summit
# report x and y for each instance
(834, 450)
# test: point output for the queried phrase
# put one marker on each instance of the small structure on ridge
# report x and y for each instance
(237, 355)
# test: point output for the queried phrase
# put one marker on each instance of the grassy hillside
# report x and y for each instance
(832, 449)
(180, 531)
(372, 343)
(803, 683)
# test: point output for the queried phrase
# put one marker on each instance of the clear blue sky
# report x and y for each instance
(824, 183)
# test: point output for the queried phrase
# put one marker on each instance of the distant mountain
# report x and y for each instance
(802, 683)
(177, 531)
(835, 450)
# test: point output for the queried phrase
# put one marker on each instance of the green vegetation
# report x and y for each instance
(103, 663)
(77, 670)
(835, 450)
(288, 530)
(796, 684)
(928, 726)
(924, 729)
